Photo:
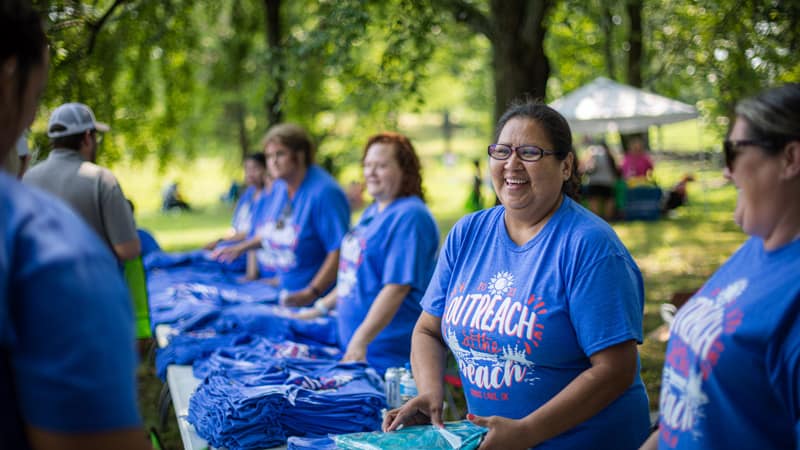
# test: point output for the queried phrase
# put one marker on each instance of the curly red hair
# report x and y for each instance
(406, 158)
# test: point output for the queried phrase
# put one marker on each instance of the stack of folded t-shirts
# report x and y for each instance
(286, 397)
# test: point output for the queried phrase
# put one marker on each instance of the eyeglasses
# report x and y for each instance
(527, 153)
(731, 149)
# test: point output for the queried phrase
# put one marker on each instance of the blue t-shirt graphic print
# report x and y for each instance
(523, 320)
(734, 357)
(394, 246)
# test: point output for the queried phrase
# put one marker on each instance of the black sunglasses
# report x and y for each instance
(731, 149)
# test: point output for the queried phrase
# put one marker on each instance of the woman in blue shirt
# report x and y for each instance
(300, 228)
(386, 260)
(731, 374)
(539, 302)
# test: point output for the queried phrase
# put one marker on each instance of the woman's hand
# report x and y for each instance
(308, 314)
(303, 297)
(227, 254)
(421, 410)
(356, 351)
(503, 433)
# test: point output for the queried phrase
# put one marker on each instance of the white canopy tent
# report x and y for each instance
(606, 106)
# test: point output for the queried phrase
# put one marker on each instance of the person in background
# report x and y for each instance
(171, 198)
(92, 191)
(733, 356)
(67, 363)
(302, 226)
(386, 260)
(601, 173)
(636, 163)
(475, 199)
(540, 304)
(259, 186)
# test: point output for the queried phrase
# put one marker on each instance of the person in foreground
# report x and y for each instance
(539, 302)
(731, 374)
(67, 363)
(386, 260)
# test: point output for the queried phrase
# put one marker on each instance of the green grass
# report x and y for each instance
(675, 254)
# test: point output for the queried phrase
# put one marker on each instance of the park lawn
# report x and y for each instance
(675, 254)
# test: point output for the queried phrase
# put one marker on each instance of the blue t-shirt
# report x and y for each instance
(395, 246)
(522, 321)
(297, 234)
(67, 361)
(732, 369)
(246, 209)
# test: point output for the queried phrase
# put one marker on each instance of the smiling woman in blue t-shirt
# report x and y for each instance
(386, 260)
(539, 302)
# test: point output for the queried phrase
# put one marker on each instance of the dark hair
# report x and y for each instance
(406, 158)
(558, 133)
(773, 116)
(292, 136)
(21, 37)
(257, 158)
(72, 141)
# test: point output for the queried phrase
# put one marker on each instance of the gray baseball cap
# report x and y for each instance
(73, 118)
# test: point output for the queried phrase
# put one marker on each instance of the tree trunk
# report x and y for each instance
(634, 69)
(606, 24)
(273, 21)
(521, 67)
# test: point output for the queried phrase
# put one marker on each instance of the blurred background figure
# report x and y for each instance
(70, 173)
(600, 173)
(386, 260)
(171, 198)
(636, 164)
(475, 198)
(677, 195)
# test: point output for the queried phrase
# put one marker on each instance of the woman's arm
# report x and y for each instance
(612, 373)
(651, 443)
(382, 311)
(322, 280)
(428, 355)
(228, 254)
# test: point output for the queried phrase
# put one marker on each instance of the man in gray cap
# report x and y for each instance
(92, 191)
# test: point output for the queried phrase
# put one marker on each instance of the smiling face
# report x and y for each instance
(530, 190)
(757, 177)
(382, 174)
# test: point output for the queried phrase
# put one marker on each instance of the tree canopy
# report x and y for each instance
(175, 76)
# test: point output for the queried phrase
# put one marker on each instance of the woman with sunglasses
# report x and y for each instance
(539, 302)
(732, 371)
(386, 261)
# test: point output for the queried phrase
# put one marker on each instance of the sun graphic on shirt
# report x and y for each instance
(501, 283)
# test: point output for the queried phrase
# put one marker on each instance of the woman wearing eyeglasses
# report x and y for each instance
(732, 371)
(539, 302)
(301, 228)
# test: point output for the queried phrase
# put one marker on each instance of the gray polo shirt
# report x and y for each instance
(92, 191)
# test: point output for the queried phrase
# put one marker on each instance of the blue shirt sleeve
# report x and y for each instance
(410, 248)
(331, 217)
(72, 351)
(606, 303)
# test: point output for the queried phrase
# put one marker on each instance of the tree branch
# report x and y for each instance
(96, 26)
(469, 15)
